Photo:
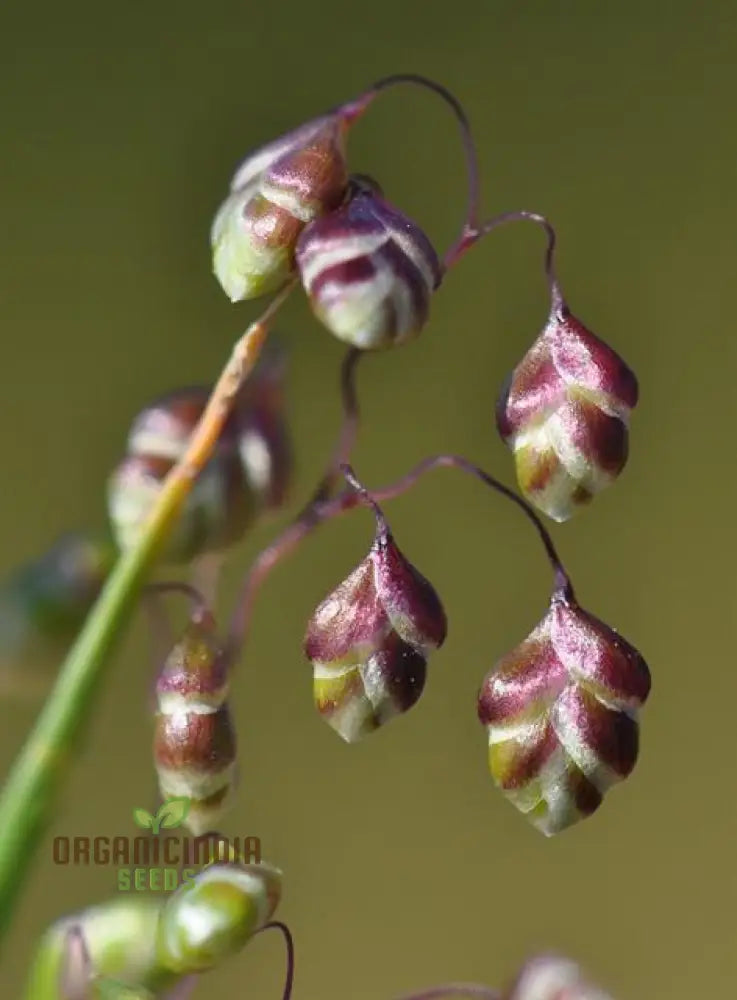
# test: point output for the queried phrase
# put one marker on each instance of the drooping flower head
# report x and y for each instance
(564, 412)
(368, 270)
(369, 641)
(561, 714)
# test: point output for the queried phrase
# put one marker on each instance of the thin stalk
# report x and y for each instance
(352, 110)
(326, 510)
(349, 427)
(474, 234)
(277, 925)
(35, 778)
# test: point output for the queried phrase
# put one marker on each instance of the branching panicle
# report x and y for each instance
(202, 465)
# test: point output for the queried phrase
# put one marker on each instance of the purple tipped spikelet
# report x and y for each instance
(564, 413)
(369, 641)
(561, 713)
(369, 271)
(275, 193)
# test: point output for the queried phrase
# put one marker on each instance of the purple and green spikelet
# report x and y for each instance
(369, 641)
(275, 193)
(564, 412)
(194, 739)
(369, 271)
(221, 505)
(561, 714)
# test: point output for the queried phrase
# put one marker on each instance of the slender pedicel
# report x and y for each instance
(473, 235)
(470, 222)
(325, 510)
(289, 942)
(348, 430)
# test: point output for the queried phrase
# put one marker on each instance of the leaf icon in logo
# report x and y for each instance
(172, 813)
(143, 819)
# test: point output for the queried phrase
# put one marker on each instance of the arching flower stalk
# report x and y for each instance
(295, 214)
(560, 711)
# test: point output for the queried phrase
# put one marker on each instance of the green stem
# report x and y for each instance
(29, 793)
(34, 782)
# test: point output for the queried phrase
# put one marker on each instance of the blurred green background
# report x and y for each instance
(404, 866)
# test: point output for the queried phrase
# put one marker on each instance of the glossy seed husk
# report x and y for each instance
(275, 193)
(565, 413)
(561, 715)
(369, 272)
(194, 737)
(211, 917)
(369, 641)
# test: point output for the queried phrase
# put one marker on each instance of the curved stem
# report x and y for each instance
(326, 510)
(36, 776)
(201, 609)
(349, 427)
(354, 108)
(382, 527)
(277, 925)
(557, 302)
(455, 990)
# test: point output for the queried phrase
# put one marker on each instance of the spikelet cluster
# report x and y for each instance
(369, 271)
(564, 412)
(248, 474)
(220, 506)
(561, 714)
